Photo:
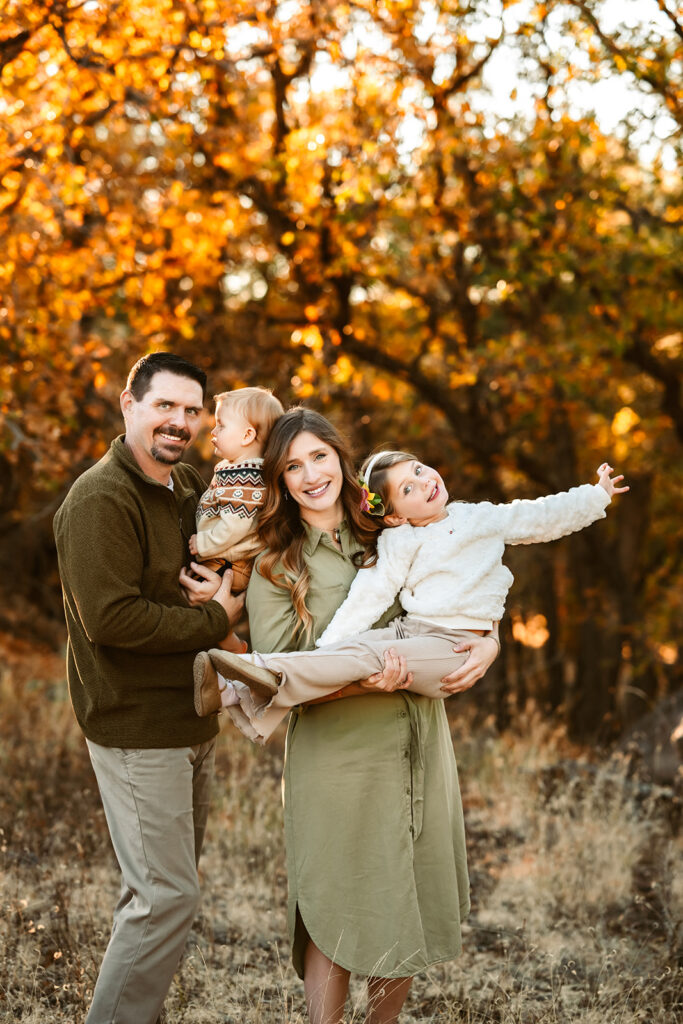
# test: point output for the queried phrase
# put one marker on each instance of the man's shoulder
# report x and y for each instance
(93, 480)
(98, 484)
(111, 469)
(110, 483)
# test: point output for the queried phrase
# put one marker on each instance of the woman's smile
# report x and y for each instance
(318, 491)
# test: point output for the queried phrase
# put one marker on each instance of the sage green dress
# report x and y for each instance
(373, 818)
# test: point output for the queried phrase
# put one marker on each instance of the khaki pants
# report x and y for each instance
(305, 676)
(156, 803)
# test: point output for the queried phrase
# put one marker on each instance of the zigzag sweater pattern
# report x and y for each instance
(228, 510)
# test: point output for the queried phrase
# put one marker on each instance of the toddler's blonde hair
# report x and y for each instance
(259, 406)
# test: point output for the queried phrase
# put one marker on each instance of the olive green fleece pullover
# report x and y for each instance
(122, 539)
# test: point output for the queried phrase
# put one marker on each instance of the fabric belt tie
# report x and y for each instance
(417, 767)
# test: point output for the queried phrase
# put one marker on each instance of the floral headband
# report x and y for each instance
(370, 502)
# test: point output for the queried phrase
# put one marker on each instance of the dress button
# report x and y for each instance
(406, 754)
(403, 714)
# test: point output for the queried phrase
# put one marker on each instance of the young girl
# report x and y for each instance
(445, 563)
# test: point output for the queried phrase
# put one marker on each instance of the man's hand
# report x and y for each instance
(201, 585)
(211, 587)
(483, 652)
(392, 677)
(606, 482)
(232, 603)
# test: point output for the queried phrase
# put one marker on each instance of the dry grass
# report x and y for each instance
(577, 905)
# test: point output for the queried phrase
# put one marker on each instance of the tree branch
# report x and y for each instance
(12, 47)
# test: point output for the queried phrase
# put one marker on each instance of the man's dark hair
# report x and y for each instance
(140, 377)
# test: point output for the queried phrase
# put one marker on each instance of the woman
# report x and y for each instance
(373, 818)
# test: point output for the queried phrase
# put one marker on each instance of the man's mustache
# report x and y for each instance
(182, 435)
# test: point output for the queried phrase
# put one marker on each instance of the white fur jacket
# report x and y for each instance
(453, 569)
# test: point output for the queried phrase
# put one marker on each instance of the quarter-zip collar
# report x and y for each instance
(121, 453)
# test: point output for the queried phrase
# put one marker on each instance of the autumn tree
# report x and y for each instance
(405, 213)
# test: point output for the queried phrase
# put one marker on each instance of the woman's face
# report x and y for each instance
(313, 476)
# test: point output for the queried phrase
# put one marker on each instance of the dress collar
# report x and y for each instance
(316, 537)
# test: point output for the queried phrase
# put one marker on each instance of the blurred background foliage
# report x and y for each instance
(453, 226)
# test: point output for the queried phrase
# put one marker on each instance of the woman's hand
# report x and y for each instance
(483, 652)
(394, 675)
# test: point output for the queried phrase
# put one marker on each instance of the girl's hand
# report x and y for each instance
(607, 483)
(193, 544)
(392, 677)
(483, 652)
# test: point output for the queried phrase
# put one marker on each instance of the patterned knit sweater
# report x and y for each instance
(451, 572)
(227, 512)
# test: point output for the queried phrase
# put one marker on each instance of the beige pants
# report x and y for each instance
(307, 675)
(156, 803)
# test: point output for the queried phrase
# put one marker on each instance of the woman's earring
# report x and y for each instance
(286, 494)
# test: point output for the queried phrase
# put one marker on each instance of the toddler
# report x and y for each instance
(444, 560)
(227, 513)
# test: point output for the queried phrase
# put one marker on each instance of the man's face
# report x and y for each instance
(163, 423)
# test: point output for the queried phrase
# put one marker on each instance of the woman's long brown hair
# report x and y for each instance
(281, 527)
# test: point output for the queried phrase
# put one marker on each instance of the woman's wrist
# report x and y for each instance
(492, 636)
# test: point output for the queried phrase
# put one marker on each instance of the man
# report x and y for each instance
(122, 540)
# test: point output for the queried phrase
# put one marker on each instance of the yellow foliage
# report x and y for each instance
(671, 344)
(225, 160)
(310, 337)
(381, 390)
(531, 633)
(624, 421)
(462, 378)
(12, 180)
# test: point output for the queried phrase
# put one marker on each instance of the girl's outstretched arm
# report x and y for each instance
(534, 521)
